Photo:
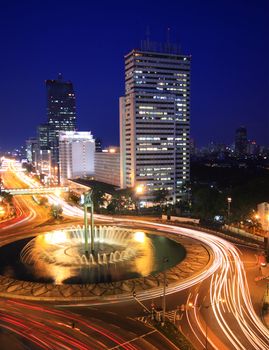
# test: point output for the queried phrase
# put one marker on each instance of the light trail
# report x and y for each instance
(49, 327)
(238, 324)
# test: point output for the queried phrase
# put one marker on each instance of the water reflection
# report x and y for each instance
(57, 257)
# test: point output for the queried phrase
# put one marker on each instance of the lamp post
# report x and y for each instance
(256, 218)
(229, 200)
(165, 260)
(202, 306)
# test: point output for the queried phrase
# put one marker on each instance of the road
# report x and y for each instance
(218, 308)
(40, 326)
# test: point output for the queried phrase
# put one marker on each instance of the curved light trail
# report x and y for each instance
(49, 328)
(230, 305)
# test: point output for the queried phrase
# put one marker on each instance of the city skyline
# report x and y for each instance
(134, 157)
(229, 77)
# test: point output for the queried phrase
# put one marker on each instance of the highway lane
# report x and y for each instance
(43, 327)
(218, 305)
(29, 213)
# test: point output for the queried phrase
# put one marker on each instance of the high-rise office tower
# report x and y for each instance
(61, 111)
(155, 122)
(241, 141)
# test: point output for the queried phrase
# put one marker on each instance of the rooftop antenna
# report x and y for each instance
(168, 39)
(147, 42)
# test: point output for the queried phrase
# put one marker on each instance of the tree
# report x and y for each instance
(208, 202)
(56, 211)
(43, 201)
(7, 197)
(161, 196)
(98, 198)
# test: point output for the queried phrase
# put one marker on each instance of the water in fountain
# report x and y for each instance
(66, 247)
(59, 257)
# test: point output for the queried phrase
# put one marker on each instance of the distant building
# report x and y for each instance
(107, 166)
(98, 145)
(241, 142)
(61, 112)
(263, 212)
(31, 149)
(43, 136)
(76, 154)
(252, 148)
(155, 121)
(43, 164)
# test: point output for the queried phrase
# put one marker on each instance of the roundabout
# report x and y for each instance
(54, 266)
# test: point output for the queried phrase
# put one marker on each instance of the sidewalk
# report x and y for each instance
(265, 310)
(265, 307)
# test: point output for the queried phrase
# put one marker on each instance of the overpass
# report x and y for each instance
(35, 190)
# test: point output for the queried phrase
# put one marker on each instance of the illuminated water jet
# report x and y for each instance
(66, 247)
(119, 254)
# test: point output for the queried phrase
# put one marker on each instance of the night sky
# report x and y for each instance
(87, 40)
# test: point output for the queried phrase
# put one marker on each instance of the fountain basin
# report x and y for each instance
(59, 257)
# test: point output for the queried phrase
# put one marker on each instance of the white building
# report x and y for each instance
(155, 122)
(76, 154)
(107, 166)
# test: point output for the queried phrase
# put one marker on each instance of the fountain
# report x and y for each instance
(73, 256)
(66, 247)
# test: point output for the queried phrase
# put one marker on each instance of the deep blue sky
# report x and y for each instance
(86, 41)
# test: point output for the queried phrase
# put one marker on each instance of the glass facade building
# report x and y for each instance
(61, 111)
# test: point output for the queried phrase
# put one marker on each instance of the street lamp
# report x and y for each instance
(139, 189)
(229, 200)
(165, 260)
(257, 216)
(202, 306)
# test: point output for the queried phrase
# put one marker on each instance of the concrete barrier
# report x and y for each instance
(180, 219)
(243, 233)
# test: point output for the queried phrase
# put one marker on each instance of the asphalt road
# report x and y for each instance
(220, 306)
(38, 326)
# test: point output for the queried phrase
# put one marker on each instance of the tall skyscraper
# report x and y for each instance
(155, 121)
(241, 141)
(61, 111)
